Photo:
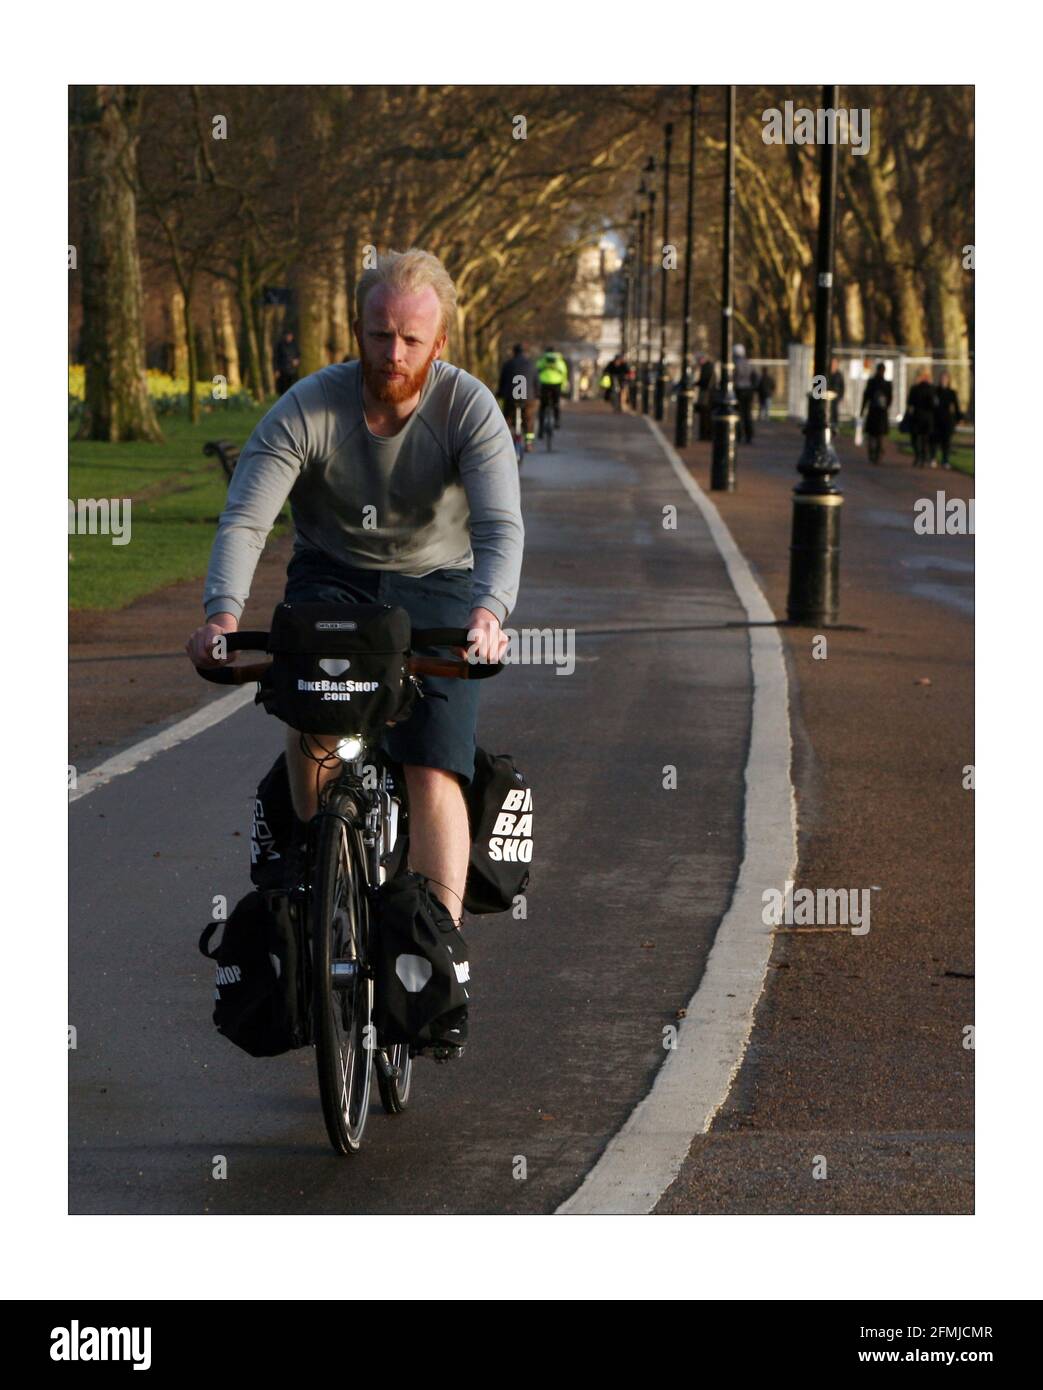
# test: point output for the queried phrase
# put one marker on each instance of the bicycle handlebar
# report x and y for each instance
(453, 667)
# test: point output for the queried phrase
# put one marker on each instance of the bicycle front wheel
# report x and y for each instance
(343, 985)
(395, 1088)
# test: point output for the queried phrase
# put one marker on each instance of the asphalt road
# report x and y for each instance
(856, 1094)
(628, 883)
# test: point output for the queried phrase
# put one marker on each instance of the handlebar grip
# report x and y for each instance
(231, 674)
(248, 641)
(453, 666)
(449, 666)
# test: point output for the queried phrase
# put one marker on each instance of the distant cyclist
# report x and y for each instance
(617, 372)
(519, 386)
(553, 373)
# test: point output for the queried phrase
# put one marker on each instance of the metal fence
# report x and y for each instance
(858, 364)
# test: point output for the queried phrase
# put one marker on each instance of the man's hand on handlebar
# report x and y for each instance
(200, 645)
(486, 640)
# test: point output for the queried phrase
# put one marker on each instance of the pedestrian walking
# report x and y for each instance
(876, 404)
(765, 391)
(745, 380)
(947, 416)
(286, 359)
(920, 408)
(836, 392)
(704, 397)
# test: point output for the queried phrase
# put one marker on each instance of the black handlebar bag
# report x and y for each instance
(338, 668)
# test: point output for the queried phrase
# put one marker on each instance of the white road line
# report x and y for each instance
(644, 1158)
(139, 753)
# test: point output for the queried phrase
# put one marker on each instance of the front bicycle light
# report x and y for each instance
(349, 749)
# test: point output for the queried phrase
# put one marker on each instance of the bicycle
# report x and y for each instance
(349, 853)
(547, 423)
(518, 433)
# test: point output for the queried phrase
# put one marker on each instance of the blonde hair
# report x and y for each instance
(410, 270)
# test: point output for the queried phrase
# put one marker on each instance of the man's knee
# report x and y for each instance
(430, 781)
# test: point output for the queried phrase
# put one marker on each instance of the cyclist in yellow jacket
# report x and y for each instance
(552, 372)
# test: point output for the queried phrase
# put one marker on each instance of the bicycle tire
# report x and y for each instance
(343, 1014)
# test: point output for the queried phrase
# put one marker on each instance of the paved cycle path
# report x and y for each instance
(629, 882)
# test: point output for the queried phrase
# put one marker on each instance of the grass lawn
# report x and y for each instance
(176, 496)
(961, 455)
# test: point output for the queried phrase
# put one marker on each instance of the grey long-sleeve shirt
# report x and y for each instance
(441, 494)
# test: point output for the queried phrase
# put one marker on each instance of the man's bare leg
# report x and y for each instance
(439, 833)
(306, 777)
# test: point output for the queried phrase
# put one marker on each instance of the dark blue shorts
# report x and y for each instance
(438, 733)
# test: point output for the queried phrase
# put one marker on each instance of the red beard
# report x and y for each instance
(394, 392)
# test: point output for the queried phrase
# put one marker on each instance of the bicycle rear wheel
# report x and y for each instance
(343, 986)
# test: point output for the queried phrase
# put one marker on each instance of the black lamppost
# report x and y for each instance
(726, 415)
(814, 575)
(661, 375)
(624, 312)
(639, 301)
(686, 393)
(650, 227)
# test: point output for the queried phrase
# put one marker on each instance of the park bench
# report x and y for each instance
(226, 451)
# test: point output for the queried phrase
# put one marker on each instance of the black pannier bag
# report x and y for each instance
(275, 830)
(262, 988)
(499, 808)
(420, 966)
(338, 668)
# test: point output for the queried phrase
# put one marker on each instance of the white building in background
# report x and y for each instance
(593, 308)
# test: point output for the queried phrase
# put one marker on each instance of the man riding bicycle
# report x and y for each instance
(403, 485)
(518, 387)
(552, 371)
(616, 371)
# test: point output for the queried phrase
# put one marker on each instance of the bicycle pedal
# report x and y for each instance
(387, 1071)
(443, 1052)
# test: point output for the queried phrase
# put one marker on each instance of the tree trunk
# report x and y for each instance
(206, 356)
(178, 336)
(312, 292)
(247, 294)
(266, 331)
(224, 332)
(339, 330)
(945, 290)
(854, 319)
(117, 405)
(193, 364)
